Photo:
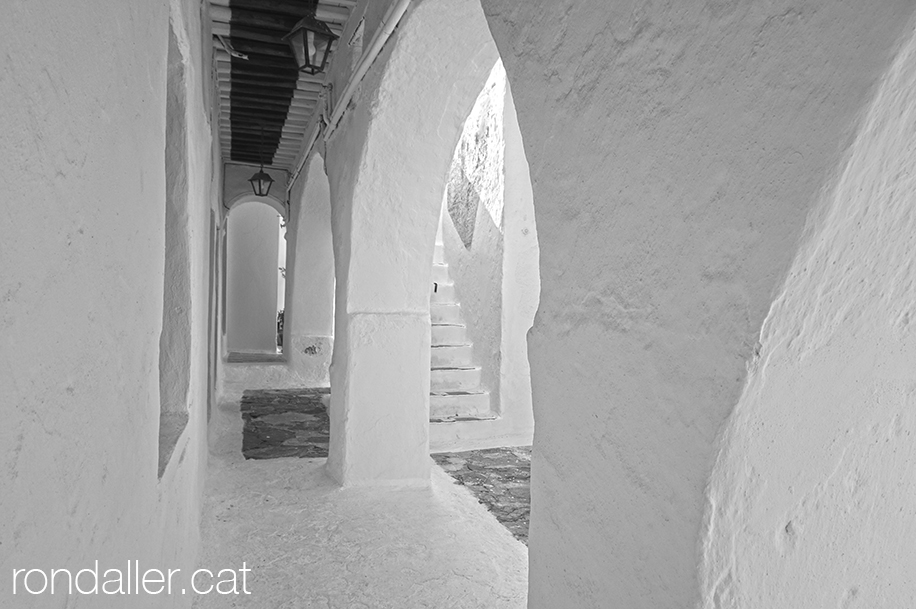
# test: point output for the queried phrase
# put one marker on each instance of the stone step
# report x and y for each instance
(445, 313)
(445, 380)
(440, 273)
(439, 253)
(452, 356)
(442, 292)
(448, 334)
(457, 405)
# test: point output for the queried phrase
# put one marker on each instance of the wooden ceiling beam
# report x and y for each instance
(305, 98)
(253, 81)
(287, 8)
(250, 47)
(259, 117)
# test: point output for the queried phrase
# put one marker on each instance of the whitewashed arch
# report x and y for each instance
(388, 165)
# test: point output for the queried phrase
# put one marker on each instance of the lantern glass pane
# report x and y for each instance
(312, 48)
(298, 46)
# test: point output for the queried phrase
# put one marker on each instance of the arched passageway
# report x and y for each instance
(485, 284)
(253, 276)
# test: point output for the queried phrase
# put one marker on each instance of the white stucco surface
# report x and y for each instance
(310, 273)
(82, 135)
(311, 544)
(521, 282)
(675, 151)
(811, 503)
(251, 306)
(386, 199)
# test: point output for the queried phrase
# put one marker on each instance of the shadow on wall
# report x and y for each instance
(175, 339)
(476, 174)
(462, 204)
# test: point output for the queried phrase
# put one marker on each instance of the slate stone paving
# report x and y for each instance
(285, 423)
(294, 423)
(500, 479)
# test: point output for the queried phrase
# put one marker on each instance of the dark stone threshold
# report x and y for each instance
(500, 479)
(285, 423)
(255, 358)
(294, 423)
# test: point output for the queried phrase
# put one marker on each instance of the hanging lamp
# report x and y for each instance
(310, 40)
(261, 181)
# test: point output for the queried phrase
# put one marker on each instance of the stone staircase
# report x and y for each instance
(455, 391)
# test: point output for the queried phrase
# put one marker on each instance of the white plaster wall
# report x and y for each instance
(521, 282)
(310, 304)
(811, 503)
(675, 150)
(386, 198)
(472, 227)
(82, 285)
(251, 308)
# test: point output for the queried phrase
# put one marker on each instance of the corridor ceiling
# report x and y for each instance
(265, 102)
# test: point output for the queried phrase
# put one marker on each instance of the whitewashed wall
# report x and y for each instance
(675, 151)
(811, 503)
(385, 206)
(82, 141)
(521, 284)
(310, 273)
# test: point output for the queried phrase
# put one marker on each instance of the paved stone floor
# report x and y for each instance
(285, 423)
(500, 479)
(294, 423)
(311, 544)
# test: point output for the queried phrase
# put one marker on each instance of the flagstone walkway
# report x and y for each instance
(294, 423)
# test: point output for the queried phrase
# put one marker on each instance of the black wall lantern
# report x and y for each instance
(261, 181)
(311, 43)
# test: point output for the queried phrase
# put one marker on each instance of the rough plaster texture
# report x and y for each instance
(811, 501)
(251, 308)
(386, 199)
(82, 282)
(311, 544)
(675, 150)
(471, 227)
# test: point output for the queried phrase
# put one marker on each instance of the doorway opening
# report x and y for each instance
(255, 282)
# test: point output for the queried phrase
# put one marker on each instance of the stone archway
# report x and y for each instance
(388, 165)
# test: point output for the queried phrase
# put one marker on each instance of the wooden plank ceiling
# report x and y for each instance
(265, 102)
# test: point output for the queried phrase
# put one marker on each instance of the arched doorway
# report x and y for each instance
(255, 282)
